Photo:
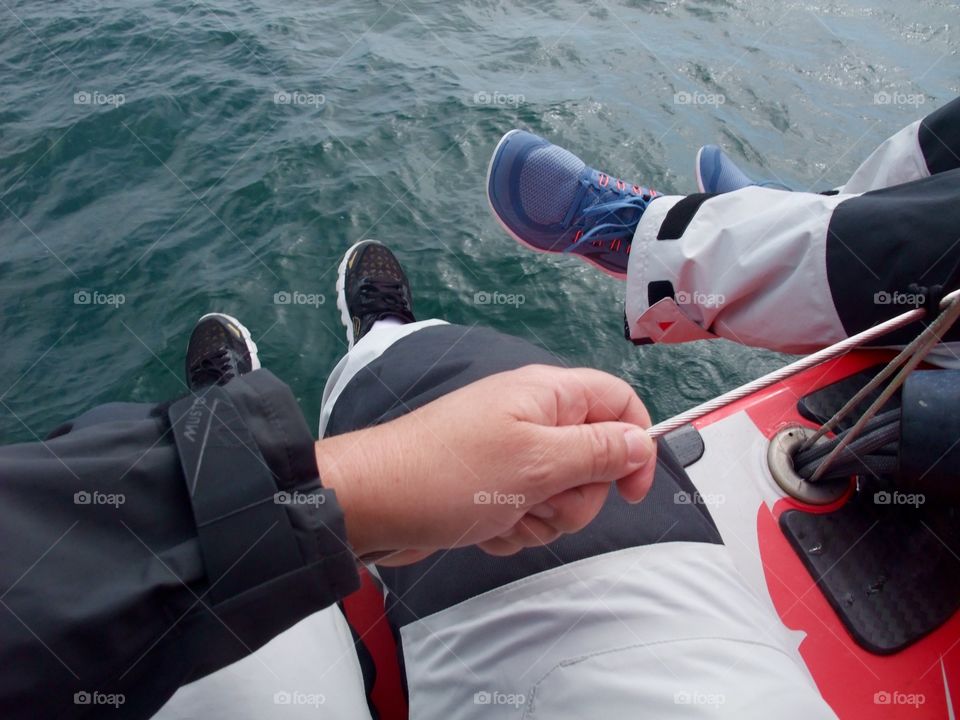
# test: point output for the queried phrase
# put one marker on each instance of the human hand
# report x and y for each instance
(510, 461)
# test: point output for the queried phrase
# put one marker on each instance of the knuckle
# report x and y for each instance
(602, 451)
(533, 461)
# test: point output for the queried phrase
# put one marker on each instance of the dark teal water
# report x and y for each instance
(199, 192)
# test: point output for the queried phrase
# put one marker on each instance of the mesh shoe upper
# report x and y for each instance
(549, 183)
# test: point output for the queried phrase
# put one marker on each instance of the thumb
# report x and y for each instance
(601, 452)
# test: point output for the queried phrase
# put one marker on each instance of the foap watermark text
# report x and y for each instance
(299, 498)
(698, 697)
(699, 98)
(482, 297)
(498, 98)
(95, 297)
(95, 97)
(85, 497)
(488, 697)
(96, 697)
(482, 497)
(296, 697)
(700, 299)
(885, 697)
(299, 98)
(682, 497)
(295, 297)
(885, 497)
(885, 97)
(899, 298)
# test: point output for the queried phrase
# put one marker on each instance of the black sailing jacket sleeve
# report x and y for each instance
(145, 546)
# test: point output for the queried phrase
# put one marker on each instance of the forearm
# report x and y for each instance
(374, 473)
(354, 466)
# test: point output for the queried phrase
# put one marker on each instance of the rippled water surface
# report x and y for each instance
(200, 192)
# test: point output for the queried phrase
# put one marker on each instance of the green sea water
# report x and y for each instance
(163, 160)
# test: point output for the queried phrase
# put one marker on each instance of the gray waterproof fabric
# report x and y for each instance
(108, 603)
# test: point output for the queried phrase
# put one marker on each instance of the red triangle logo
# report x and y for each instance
(666, 325)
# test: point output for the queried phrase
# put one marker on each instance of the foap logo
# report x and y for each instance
(95, 297)
(299, 498)
(885, 697)
(698, 697)
(95, 97)
(295, 297)
(704, 300)
(885, 97)
(682, 497)
(296, 697)
(492, 697)
(483, 497)
(96, 697)
(301, 99)
(498, 98)
(699, 98)
(482, 297)
(896, 497)
(85, 497)
(899, 298)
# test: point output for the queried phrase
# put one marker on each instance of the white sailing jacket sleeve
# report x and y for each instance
(796, 271)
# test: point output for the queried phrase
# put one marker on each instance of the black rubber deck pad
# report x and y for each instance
(890, 569)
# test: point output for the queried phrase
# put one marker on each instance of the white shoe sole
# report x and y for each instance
(247, 339)
(520, 240)
(696, 169)
(342, 294)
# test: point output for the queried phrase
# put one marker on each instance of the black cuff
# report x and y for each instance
(273, 540)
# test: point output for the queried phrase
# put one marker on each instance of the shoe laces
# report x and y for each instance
(383, 297)
(608, 209)
(216, 368)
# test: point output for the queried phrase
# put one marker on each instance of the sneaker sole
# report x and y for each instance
(700, 185)
(520, 240)
(247, 339)
(342, 294)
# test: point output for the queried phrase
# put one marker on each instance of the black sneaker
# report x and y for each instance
(371, 286)
(220, 349)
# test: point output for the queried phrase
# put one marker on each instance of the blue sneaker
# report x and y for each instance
(717, 173)
(549, 200)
